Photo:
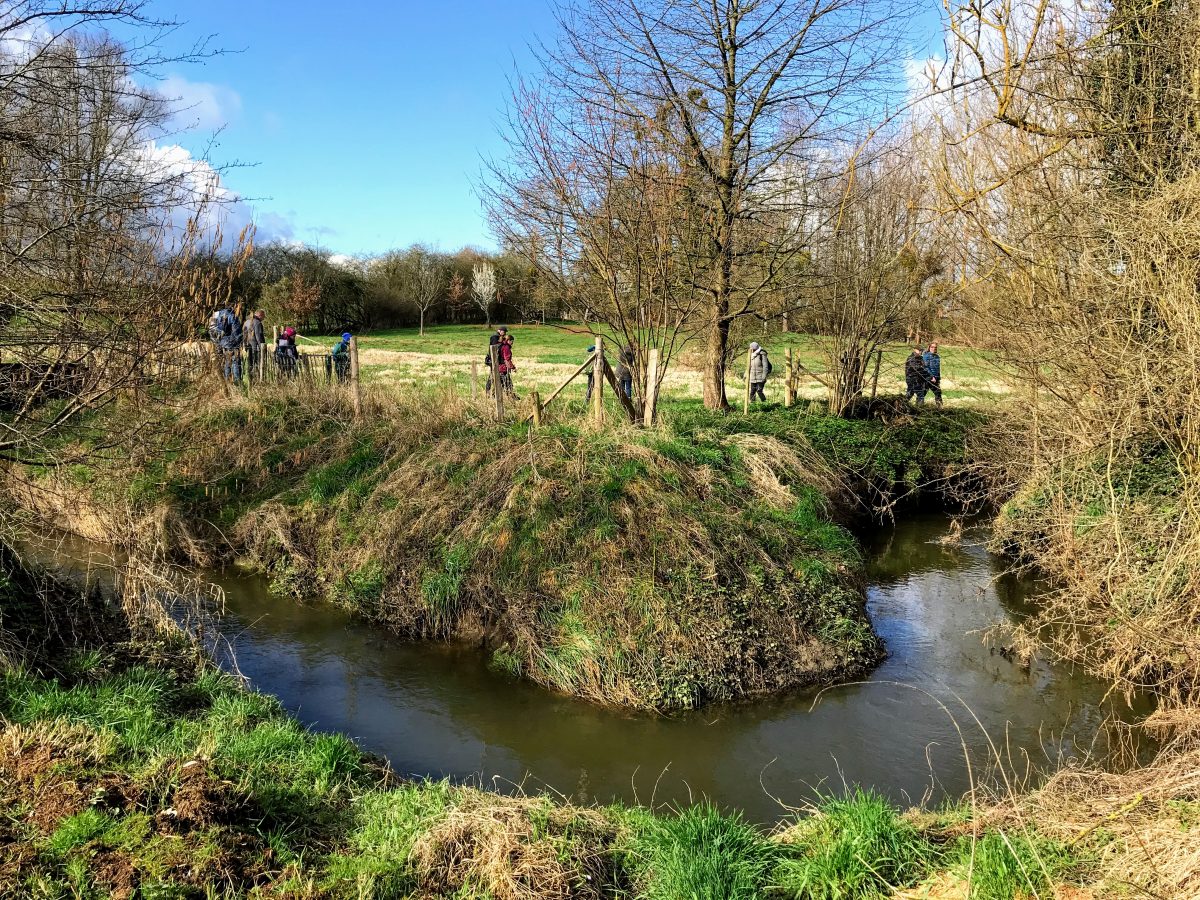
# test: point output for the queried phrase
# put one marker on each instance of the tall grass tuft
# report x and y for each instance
(853, 848)
(701, 854)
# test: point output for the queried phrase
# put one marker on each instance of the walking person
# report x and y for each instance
(916, 377)
(625, 372)
(591, 375)
(225, 331)
(507, 367)
(496, 340)
(338, 362)
(933, 370)
(256, 342)
(760, 370)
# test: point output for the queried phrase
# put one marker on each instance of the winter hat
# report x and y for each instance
(346, 336)
(754, 346)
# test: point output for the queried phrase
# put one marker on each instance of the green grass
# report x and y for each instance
(701, 854)
(857, 847)
(1004, 865)
(970, 375)
(293, 811)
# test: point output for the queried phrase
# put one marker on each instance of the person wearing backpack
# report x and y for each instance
(225, 331)
(916, 377)
(339, 360)
(760, 370)
(507, 367)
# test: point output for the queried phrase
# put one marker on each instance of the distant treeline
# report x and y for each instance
(323, 293)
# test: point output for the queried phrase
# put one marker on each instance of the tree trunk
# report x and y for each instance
(422, 323)
(714, 365)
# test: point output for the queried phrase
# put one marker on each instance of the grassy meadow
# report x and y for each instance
(546, 355)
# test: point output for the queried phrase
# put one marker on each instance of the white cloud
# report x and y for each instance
(201, 104)
(200, 193)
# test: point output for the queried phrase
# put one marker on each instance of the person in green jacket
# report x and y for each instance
(339, 359)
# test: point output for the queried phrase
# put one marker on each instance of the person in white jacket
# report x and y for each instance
(760, 369)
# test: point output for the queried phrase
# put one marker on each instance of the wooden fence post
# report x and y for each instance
(789, 392)
(274, 344)
(598, 382)
(746, 397)
(497, 390)
(537, 409)
(875, 379)
(474, 378)
(651, 388)
(355, 387)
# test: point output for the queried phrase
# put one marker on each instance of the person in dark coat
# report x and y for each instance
(339, 360)
(591, 375)
(494, 341)
(225, 331)
(256, 341)
(916, 377)
(507, 367)
(933, 369)
(625, 372)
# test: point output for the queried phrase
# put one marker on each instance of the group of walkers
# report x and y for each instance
(923, 374)
(922, 370)
(231, 336)
(500, 355)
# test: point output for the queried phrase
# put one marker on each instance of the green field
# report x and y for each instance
(546, 355)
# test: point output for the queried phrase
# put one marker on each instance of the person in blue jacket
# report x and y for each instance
(933, 369)
(338, 362)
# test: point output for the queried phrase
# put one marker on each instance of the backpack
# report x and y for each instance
(770, 368)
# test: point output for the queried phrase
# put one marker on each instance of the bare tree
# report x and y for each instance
(869, 264)
(1070, 162)
(725, 97)
(428, 279)
(483, 288)
(103, 257)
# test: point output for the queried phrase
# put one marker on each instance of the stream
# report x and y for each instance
(438, 711)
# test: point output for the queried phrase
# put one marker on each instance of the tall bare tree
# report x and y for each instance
(870, 262)
(102, 255)
(730, 96)
(483, 288)
(428, 279)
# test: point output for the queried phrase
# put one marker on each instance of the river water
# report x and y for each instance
(438, 711)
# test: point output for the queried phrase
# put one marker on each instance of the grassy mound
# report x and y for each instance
(664, 569)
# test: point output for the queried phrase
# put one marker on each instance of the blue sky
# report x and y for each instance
(362, 122)
(360, 125)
